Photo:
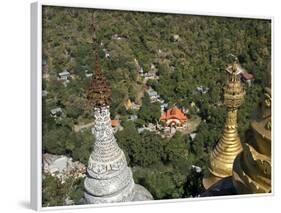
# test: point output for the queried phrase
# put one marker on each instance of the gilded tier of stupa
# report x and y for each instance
(109, 179)
(252, 167)
(228, 146)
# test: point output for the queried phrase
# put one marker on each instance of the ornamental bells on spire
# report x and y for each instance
(99, 92)
(233, 91)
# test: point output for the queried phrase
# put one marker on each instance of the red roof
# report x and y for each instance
(173, 113)
(247, 76)
(114, 123)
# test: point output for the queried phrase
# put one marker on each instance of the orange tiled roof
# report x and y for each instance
(173, 113)
(114, 123)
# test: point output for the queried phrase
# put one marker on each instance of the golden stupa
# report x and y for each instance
(229, 146)
(252, 167)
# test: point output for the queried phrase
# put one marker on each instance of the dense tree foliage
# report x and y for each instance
(55, 193)
(149, 112)
(187, 51)
(162, 165)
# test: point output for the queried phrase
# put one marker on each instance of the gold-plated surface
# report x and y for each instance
(229, 146)
(252, 167)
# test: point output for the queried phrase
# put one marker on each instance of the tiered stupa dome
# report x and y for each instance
(252, 167)
(229, 146)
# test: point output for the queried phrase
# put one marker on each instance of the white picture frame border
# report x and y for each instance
(36, 99)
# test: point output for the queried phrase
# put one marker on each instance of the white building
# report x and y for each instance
(196, 168)
(62, 167)
(140, 130)
(175, 37)
(192, 136)
(88, 74)
(202, 89)
(133, 117)
(56, 112)
(153, 95)
(63, 76)
(163, 106)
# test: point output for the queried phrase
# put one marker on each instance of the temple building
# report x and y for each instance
(174, 117)
(109, 179)
(228, 146)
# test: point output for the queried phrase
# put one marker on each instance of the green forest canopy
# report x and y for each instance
(197, 57)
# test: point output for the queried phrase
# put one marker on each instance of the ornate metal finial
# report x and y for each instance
(99, 92)
(233, 91)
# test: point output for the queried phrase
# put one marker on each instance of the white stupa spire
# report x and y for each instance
(109, 178)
